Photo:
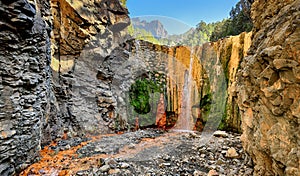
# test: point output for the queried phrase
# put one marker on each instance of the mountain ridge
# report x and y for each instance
(155, 27)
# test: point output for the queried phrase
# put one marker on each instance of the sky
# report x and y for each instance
(179, 15)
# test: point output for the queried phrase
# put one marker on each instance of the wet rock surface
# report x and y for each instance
(146, 152)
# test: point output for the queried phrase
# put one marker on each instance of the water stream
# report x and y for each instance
(185, 120)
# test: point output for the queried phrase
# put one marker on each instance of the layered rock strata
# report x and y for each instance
(40, 103)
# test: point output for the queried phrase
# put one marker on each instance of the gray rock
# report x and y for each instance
(124, 165)
(104, 168)
(131, 146)
(220, 134)
(231, 153)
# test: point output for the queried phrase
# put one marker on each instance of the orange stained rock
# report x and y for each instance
(3, 134)
(161, 116)
(137, 124)
(68, 162)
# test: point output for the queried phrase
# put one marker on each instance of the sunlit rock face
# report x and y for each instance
(84, 34)
(220, 61)
(212, 92)
(199, 82)
(269, 90)
(25, 85)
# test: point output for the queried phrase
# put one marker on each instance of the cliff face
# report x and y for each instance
(220, 61)
(43, 99)
(80, 83)
(212, 92)
(269, 88)
(84, 34)
(25, 90)
(199, 82)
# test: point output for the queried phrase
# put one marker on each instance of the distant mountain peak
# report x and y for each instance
(155, 27)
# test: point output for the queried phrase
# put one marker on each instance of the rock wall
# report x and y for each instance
(221, 61)
(213, 68)
(269, 89)
(213, 81)
(44, 98)
(94, 63)
(25, 81)
(84, 34)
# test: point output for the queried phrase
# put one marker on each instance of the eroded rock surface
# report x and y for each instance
(269, 89)
(25, 81)
(82, 91)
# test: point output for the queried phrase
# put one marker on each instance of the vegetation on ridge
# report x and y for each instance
(142, 34)
(238, 22)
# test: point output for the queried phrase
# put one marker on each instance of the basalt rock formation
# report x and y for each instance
(269, 88)
(220, 61)
(44, 98)
(81, 89)
(25, 81)
(212, 92)
(199, 82)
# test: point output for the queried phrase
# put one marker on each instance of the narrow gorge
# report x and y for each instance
(74, 85)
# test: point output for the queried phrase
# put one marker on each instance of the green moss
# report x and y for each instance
(139, 93)
(223, 125)
(139, 96)
(225, 58)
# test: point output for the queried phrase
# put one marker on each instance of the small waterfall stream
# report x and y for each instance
(185, 119)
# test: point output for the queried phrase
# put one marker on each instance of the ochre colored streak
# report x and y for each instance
(64, 162)
(67, 162)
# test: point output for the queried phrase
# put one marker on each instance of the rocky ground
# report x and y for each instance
(145, 152)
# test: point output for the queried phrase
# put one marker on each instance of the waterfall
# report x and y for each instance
(185, 119)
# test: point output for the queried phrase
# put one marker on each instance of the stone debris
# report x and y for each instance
(212, 173)
(158, 153)
(231, 153)
(220, 134)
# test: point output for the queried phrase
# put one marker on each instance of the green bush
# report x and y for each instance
(139, 94)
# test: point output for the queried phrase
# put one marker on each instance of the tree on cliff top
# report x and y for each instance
(239, 21)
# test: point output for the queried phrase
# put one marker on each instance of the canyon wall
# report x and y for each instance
(220, 61)
(84, 34)
(80, 84)
(269, 89)
(25, 81)
(212, 92)
(43, 98)
(199, 82)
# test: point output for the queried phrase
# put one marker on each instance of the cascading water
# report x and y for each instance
(185, 120)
